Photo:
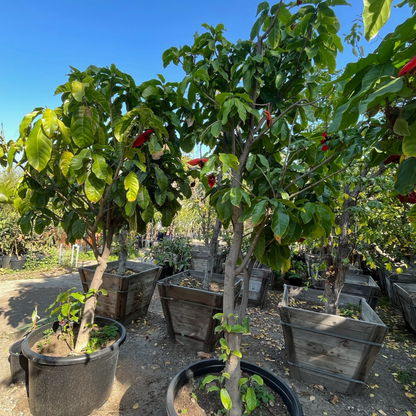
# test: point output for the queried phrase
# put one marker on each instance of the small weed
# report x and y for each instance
(47, 335)
(400, 337)
(101, 337)
(403, 376)
(193, 395)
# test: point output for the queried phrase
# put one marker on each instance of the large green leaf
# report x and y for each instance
(78, 90)
(259, 211)
(27, 120)
(77, 161)
(38, 148)
(309, 211)
(409, 142)
(49, 122)
(161, 179)
(131, 184)
(235, 196)
(280, 222)
(225, 399)
(99, 167)
(81, 127)
(375, 15)
(94, 187)
(406, 176)
(143, 197)
(78, 228)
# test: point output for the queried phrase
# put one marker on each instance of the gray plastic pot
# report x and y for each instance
(70, 386)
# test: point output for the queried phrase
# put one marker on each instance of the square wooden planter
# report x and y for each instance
(258, 287)
(406, 295)
(359, 285)
(199, 260)
(334, 351)
(189, 312)
(128, 297)
(388, 279)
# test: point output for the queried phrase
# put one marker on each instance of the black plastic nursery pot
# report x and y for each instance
(18, 363)
(213, 365)
(74, 385)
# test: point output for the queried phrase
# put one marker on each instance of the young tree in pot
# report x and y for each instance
(96, 164)
(250, 102)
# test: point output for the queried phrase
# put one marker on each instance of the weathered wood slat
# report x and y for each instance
(189, 312)
(335, 351)
(258, 287)
(388, 279)
(128, 297)
(406, 293)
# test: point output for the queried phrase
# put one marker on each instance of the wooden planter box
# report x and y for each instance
(406, 294)
(128, 297)
(258, 287)
(359, 285)
(199, 260)
(334, 351)
(188, 312)
(388, 279)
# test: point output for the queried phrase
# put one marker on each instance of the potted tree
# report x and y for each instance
(96, 164)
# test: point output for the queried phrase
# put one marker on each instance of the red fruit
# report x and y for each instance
(141, 138)
(211, 180)
(323, 141)
(324, 148)
(411, 198)
(391, 159)
(402, 198)
(269, 121)
(199, 162)
(298, 2)
(301, 240)
(408, 68)
(324, 134)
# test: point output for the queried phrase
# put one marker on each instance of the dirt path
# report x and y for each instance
(148, 360)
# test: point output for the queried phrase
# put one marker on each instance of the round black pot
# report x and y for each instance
(18, 363)
(213, 365)
(70, 386)
(16, 264)
(6, 262)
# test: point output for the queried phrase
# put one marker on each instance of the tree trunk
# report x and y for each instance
(232, 366)
(212, 254)
(122, 254)
(336, 278)
(246, 289)
(89, 307)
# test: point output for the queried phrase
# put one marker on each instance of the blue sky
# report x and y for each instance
(40, 40)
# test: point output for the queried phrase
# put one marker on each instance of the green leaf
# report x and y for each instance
(257, 379)
(225, 399)
(309, 211)
(38, 148)
(143, 197)
(401, 128)
(251, 401)
(280, 222)
(131, 184)
(27, 120)
(375, 15)
(228, 161)
(78, 229)
(216, 128)
(406, 176)
(161, 179)
(49, 122)
(236, 353)
(94, 187)
(81, 127)
(235, 196)
(409, 142)
(259, 211)
(78, 90)
(99, 167)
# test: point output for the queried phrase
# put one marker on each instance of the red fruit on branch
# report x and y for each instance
(409, 68)
(211, 180)
(269, 121)
(392, 159)
(298, 2)
(198, 162)
(324, 148)
(141, 138)
(410, 199)
(301, 240)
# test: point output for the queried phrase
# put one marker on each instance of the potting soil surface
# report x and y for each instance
(149, 360)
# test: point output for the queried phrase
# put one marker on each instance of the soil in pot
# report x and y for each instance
(193, 400)
(193, 283)
(58, 344)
